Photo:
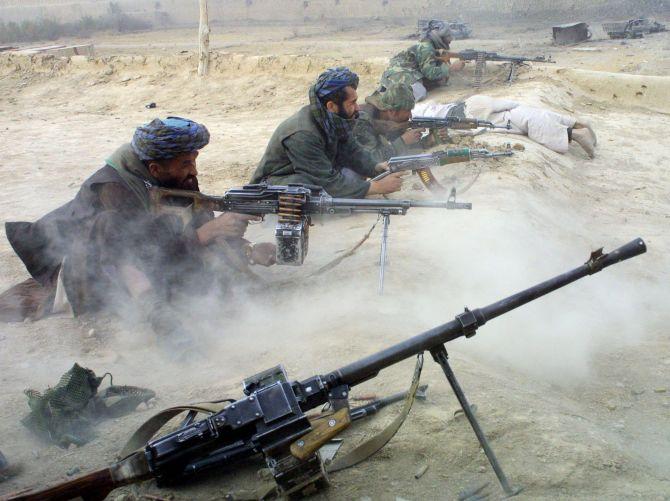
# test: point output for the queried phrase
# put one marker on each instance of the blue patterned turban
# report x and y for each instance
(167, 138)
(332, 80)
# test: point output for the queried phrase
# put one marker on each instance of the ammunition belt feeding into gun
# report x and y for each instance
(292, 230)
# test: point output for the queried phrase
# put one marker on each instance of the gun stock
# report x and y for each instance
(94, 486)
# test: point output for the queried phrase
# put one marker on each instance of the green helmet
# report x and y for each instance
(397, 96)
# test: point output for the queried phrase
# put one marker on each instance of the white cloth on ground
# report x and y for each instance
(541, 125)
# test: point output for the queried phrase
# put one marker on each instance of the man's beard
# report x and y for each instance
(343, 114)
(189, 183)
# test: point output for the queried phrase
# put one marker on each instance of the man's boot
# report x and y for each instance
(584, 139)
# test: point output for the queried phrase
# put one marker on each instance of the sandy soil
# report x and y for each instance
(572, 390)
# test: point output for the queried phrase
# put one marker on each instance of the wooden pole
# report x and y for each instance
(203, 54)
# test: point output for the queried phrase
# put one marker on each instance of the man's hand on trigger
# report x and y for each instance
(227, 225)
(412, 136)
(381, 167)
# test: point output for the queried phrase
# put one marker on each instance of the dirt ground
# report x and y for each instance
(572, 390)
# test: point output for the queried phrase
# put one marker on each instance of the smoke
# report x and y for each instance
(440, 262)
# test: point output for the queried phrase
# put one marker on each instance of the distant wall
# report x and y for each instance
(186, 11)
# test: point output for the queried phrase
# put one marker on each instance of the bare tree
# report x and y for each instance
(203, 55)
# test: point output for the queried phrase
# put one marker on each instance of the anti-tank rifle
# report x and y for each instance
(271, 417)
(481, 57)
(294, 206)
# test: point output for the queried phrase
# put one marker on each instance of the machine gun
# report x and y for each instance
(294, 206)
(481, 57)
(271, 418)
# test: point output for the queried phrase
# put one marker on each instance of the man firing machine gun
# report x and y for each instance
(271, 419)
(294, 206)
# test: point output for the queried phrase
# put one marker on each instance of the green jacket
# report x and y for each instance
(371, 134)
(298, 152)
(414, 64)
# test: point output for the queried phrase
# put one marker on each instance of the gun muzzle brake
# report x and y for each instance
(598, 260)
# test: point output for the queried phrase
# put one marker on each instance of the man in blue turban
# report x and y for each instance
(315, 146)
(106, 247)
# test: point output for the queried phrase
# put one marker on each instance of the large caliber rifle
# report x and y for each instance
(481, 57)
(422, 163)
(271, 417)
(294, 206)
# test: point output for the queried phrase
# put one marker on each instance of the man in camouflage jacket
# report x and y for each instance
(381, 128)
(420, 66)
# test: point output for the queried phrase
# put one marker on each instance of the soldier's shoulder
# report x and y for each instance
(425, 46)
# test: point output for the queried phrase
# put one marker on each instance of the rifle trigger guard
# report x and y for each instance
(468, 322)
(595, 262)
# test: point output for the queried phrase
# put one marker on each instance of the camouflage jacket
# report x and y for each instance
(373, 136)
(414, 64)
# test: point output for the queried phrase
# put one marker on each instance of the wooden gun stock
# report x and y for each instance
(94, 486)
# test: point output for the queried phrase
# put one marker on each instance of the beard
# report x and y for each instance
(188, 183)
(343, 114)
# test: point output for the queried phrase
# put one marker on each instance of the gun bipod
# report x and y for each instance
(383, 253)
(441, 356)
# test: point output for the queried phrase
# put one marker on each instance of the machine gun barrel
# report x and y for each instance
(467, 322)
(346, 206)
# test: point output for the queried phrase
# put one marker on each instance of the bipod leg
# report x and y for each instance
(441, 356)
(512, 72)
(480, 65)
(383, 254)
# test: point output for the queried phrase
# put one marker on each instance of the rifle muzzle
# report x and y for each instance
(599, 261)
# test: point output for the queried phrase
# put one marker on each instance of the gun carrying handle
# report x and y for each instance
(323, 429)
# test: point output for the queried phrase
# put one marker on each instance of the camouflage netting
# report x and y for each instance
(66, 413)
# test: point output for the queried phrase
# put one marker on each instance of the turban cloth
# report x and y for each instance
(330, 81)
(165, 139)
